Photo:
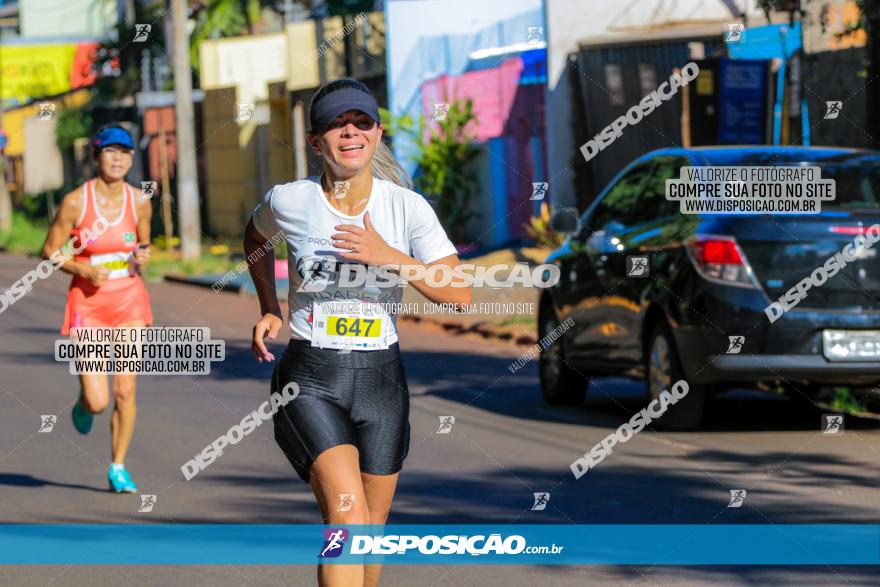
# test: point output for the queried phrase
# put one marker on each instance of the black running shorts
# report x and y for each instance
(359, 398)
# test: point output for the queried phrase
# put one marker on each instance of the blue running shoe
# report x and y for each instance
(120, 481)
(82, 420)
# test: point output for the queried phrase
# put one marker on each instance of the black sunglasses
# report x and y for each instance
(361, 123)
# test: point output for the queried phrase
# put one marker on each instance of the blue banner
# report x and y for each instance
(250, 544)
(742, 113)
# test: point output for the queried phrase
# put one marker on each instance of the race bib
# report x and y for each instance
(119, 264)
(348, 326)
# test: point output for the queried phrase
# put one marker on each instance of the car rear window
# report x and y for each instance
(856, 186)
(857, 177)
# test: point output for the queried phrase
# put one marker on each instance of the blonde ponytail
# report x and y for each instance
(385, 166)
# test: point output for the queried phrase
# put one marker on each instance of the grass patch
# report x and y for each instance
(163, 262)
(519, 320)
(27, 235)
(843, 400)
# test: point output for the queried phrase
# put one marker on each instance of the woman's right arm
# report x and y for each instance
(262, 271)
(59, 234)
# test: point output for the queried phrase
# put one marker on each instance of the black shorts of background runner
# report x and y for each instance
(359, 398)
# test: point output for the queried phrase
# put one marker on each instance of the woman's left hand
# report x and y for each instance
(142, 255)
(365, 245)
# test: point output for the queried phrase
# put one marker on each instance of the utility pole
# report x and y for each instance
(187, 179)
(5, 199)
(129, 14)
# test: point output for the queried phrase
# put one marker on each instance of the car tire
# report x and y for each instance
(561, 385)
(662, 369)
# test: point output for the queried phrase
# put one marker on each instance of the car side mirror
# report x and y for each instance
(565, 220)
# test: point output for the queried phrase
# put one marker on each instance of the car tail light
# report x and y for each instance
(850, 229)
(719, 259)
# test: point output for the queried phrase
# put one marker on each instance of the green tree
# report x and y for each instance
(73, 123)
(216, 19)
(118, 63)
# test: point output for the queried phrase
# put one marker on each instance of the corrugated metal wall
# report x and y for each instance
(837, 73)
(613, 78)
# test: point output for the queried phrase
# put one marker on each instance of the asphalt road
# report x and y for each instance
(505, 445)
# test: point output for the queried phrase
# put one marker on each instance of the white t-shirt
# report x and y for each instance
(299, 210)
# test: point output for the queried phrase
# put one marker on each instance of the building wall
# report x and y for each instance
(835, 73)
(14, 123)
(273, 72)
(248, 63)
(510, 128)
(834, 69)
(230, 169)
(839, 14)
(14, 119)
(279, 139)
(442, 50)
(244, 160)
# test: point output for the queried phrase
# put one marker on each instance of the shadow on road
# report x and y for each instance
(21, 480)
(486, 383)
(696, 490)
(35, 330)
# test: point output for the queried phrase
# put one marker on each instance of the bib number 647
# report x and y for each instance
(344, 326)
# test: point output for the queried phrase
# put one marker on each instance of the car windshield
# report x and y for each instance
(857, 177)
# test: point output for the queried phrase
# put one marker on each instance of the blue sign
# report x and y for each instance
(743, 95)
(523, 544)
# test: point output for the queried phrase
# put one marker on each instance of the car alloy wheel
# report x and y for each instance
(663, 369)
(550, 361)
(561, 384)
(659, 367)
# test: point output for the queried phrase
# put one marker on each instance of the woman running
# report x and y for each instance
(347, 432)
(106, 289)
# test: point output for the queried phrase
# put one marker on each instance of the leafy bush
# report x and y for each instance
(73, 123)
(27, 235)
(539, 229)
(446, 171)
(159, 241)
(36, 206)
(844, 400)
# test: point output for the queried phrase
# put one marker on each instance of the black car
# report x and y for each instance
(648, 291)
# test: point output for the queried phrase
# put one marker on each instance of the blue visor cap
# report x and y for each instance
(334, 104)
(113, 136)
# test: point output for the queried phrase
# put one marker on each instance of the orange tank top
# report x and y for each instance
(114, 247)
